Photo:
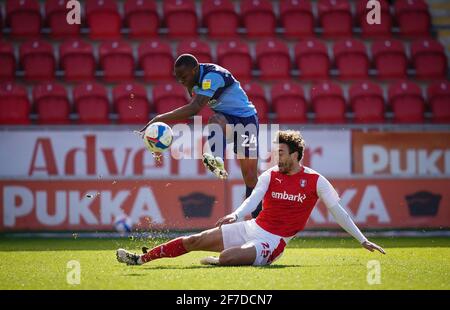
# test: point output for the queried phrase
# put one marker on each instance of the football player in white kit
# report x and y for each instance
(289, 192)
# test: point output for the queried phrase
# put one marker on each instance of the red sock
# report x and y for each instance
(172, 248)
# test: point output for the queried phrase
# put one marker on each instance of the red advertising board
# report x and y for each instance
(197, 204)
(93, 205)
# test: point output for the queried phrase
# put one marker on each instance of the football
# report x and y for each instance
(123, 224)
(158, 137)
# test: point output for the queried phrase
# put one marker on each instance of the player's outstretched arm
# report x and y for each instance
(345, 221)
(184, 112)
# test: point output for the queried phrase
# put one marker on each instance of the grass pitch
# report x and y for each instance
(410, 263)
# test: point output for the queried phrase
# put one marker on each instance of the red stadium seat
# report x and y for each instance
(272, 56)
(351, 59)
(335, 18)
(168, 96)
(235, 56)
(91, 103)
(407, 102)
(37, 60)
(56, 14)
(256, 94)
(24, 18)
(381, 30)
(220, 17)
(141, 16)
(288, 102)
(155, 58)
(413, 17)
(103, 19)
(51, 103)
(328, 103)
(180, 17)
(297, 18)
(429, 59)
(390, 59)
(7, 61)
(131, 103)
(200, 49)
(116, 59)
(77, 60)
(14, 106)
(439, 101)
(367, 102)
(258, 17)
(311, 57)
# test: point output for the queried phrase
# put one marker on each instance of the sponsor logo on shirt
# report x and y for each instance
(206, 84)
(285, 196)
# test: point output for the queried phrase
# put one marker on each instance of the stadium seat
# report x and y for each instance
(200, 49)
(439, 101)
(429, 59)
(51, 103)
(56, 19)
(205, 113)
(7, 61)
(116, 59)
(382, 30)
(38, 62)
(335, 17)
(91, 103)
(180, 17)
(272, 57)
(406, 101)
(412, 17)
(23, 17)
(77, 60)
(256, 94)
(235, 56)
(103, 19)
(131, 103)
(297, 18)
(155, 58)
(311, 57)
(14, 106)
(141, 17)
(168, 96)
(328, 103)
(390, 59)
(367, 102)
(258, 18)
(351, 59)
(220, 17)
(288, 102)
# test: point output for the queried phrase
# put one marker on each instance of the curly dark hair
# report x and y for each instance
(294, 140)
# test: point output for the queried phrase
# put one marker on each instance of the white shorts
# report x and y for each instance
(269, 247)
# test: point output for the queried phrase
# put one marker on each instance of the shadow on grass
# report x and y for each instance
(194, 267)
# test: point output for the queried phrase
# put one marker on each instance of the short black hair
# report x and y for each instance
(294, 141)
(187, 60)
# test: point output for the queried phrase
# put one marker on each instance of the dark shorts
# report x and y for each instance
(245, 135)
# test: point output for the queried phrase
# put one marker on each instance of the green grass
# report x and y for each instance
(410, 263)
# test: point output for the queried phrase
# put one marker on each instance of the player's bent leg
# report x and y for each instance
(238, 256)
(208, 240)
(249, 169)
(213, 158)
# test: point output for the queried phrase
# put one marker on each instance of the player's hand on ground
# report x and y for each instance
(228, 219)
(372, 247)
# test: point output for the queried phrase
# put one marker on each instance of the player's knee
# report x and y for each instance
(192, 242)
(227, 258)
